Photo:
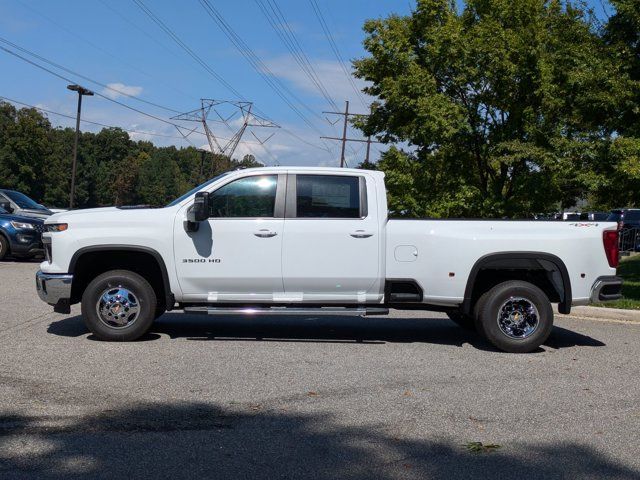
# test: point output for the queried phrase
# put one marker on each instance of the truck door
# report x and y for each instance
(331, 247)
(236, 254)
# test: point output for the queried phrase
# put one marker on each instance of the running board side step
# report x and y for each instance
(312, 311)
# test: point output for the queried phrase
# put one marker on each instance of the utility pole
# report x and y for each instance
(81, 91)
(366, 159)
(344, 132)
(344, 138)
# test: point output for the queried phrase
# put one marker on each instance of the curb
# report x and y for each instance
(603, 313)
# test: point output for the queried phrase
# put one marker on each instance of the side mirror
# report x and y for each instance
(198, 212)
(6, 206)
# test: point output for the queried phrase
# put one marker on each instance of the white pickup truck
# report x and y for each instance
(287, 240)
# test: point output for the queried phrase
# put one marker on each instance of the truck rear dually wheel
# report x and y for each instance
(119, 305)
(515, 316)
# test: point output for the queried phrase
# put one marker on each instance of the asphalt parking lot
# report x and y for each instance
(392, 397)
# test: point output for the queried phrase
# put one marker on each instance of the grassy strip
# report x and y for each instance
(629, 270)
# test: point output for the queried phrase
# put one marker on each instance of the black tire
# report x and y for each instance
(524, 295)
(462, 320)
(109, 284)
(4, 247)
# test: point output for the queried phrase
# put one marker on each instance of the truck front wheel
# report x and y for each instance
(118, 305)
(515, 316)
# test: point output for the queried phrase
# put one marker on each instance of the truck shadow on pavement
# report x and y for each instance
(204, 440)
(370, 330)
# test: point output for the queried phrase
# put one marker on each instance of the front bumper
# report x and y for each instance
(605, 289)
(26, 244)
(55, 289)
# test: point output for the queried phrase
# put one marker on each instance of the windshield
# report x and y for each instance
(2, 210)
(23, 201)
(197, 189)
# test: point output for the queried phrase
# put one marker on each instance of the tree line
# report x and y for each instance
(506, 107)
(113, 169)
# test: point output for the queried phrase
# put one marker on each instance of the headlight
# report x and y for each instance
(56, 227)
(22, 226)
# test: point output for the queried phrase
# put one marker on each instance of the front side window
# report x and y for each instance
(249, 197)
(327, 196)
(196, 189)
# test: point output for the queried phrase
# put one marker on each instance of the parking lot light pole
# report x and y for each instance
(81, 91)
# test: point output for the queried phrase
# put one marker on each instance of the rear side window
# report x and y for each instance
(328, 196)
(249, 197)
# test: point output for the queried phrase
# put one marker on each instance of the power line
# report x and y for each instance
(91, 122)
(138, 28)
(258, 65)
(62, 77)
(85, 121)
(261, 68)
(210, 70)
(166, 29)
(103, 50)
(68, 70)
(279, 24)
(336, 50)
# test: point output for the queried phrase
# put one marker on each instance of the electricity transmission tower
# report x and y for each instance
(344, 138)
(217, 111)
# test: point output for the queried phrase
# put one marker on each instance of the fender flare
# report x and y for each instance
(169, 297)
(503, 259)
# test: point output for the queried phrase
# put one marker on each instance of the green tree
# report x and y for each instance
(502, 105)
(56, 175)
(24, 146)
(614, 176)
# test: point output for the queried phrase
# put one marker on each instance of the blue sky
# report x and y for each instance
(117, 44)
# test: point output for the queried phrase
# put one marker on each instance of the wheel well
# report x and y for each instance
(88, 265)
(545, 271)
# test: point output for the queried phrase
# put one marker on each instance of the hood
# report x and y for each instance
(98, 216)
(35, 213)
(10, 217)
(62, 216)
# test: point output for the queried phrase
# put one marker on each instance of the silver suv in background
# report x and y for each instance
(18, 203)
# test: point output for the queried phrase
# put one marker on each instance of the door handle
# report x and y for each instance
(265, 233)
(361, 234)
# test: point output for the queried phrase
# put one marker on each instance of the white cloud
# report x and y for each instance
(330, 74)
(117, 90)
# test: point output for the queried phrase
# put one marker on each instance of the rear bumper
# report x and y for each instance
(55, 289)
(605, 289)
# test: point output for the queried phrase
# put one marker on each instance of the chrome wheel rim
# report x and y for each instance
(518, 318)
(118, 307)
